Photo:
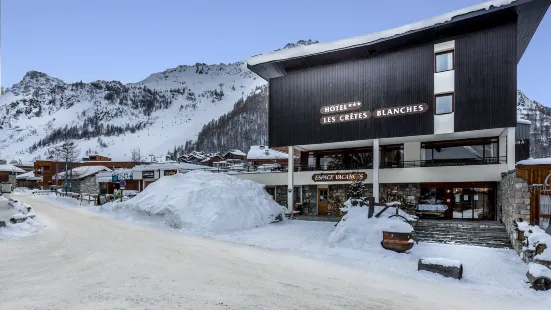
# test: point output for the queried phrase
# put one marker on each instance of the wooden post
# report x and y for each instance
(371, 207)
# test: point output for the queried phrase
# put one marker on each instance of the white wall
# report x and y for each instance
(444, 82)
(444, 123)
(412, 151)
(476, 173)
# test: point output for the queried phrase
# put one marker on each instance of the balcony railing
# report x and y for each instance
(383, 165)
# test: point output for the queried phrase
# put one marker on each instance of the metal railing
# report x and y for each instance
(355, 167)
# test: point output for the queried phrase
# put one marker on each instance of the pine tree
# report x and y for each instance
(356, 194)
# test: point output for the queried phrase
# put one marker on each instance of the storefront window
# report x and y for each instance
(392, 156)
(297, 194)
(460, 152)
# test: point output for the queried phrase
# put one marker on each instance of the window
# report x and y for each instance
(392, 156)
(297, 194)
(444, 61)
(444, 104)
(483, 151)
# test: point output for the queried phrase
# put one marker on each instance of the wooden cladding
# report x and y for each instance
(401, 78)
(486, 79)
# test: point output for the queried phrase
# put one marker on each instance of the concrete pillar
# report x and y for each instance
(511, 148)
(376, 161)
(290, 172)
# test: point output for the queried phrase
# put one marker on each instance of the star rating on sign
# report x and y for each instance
(354, 104)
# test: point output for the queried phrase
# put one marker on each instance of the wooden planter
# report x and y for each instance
(520, 235)
(397, 242)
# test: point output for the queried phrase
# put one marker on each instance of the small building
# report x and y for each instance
(8, 174)
(260, 155)
(47, 169)
(147, 174)
(28, 180)
(81, 179)
(211, 159)
(235, 154)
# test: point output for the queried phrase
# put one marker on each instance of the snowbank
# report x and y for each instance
(535, 161)
(538, 270)
(357, 231)
(203, 202)
(27, 228)
(441, 261)
(20, 230)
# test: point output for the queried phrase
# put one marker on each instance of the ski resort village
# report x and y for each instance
(402, 169)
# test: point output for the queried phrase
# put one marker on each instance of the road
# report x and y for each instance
(86, 261)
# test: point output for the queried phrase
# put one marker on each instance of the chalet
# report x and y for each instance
(260, 155)
(8, 173)
(47, 169)
(235, 154)
(425, 111)
(29, 180)
(80, 179)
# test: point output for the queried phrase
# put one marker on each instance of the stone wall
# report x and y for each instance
(89, 185)
(281, 195)
(12, 180)
(407, 193)
(513, 203)
(337, 198)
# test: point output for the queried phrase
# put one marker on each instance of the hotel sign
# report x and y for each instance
(348, 112)
(407, 109)
(351, 176)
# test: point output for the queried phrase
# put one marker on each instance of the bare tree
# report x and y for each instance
(136, 156)
(69, 152)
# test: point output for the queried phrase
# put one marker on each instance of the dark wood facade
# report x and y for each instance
(399, 71)
(486, 79)
(405, 77)
(485, 91)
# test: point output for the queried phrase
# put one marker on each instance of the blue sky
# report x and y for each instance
(127, 40)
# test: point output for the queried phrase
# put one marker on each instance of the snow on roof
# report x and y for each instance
(169, 166)
(237, 152)
(82, 172)
(29, 176)
(263, 152)
(11, 168)
(523, 121)
(535, 161)
(306, 50)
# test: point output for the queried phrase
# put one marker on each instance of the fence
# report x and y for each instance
(79, 196)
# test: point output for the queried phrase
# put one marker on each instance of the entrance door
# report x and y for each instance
(323, 206)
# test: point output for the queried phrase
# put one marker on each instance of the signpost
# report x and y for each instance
(122, 184)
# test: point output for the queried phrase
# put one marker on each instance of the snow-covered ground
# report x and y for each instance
(29, 227)
(94, 262)
(496, 272)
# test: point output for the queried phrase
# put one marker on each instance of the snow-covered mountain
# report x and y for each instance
(107, 117)
(111, 118)
(540, 129)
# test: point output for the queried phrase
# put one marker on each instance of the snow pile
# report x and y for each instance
(27, 228)
(202, 202)
(357, 231)
(20, 230)
(535, 236)
(441, 261)
(538, 270)
(535, 161)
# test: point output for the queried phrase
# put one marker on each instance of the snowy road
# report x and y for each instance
(86, 261)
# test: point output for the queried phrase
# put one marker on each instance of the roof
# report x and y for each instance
(530, 13)
(235, 152)
(29, 176)
(82, 172)
(11, 168)
(535, 162)
(263, 152)
(169, 166)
